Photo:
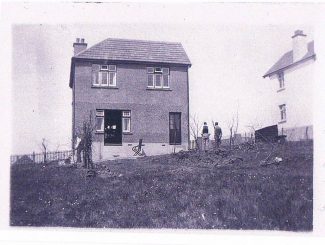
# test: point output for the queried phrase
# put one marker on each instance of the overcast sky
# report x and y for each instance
(229, 60)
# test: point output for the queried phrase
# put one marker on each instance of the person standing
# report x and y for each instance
(80, 148)
(217, 135)
(205, 136)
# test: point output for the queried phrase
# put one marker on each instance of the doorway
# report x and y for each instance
(175, 136)
(113, 127)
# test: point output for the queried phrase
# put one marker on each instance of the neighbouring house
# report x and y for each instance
(293, 75)
(132, 90)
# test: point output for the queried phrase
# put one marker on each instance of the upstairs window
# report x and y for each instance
(105, 77)
(158, 77)
(283, 112)
(281, 80)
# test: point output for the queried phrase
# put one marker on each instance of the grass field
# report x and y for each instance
(207, 190)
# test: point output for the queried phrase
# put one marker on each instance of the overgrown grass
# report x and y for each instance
(176, 191)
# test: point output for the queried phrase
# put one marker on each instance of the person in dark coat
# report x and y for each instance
(217, 135)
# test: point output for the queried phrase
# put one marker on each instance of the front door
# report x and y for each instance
(113, 127)
(175, 136)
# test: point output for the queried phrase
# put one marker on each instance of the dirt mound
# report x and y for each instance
(253, 154)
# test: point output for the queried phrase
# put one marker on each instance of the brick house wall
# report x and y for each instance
(149, 108)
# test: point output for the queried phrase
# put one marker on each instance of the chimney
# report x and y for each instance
(299, 45)
(79, 46)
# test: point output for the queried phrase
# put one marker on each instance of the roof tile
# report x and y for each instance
(137, 50)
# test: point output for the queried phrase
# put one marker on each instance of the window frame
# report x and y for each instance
(114, 79)
(112, 70)
(158, 74)
(155, 72)
(174, 115)
(281, 80)
(100, 114)
(100, 78)
(126, 116)
(167, 81)
(283, 112)
(105, 69)
(95, 80)
(153, 80)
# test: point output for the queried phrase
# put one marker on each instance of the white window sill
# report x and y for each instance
(159, 89)
(99, 132)
(127, 133)
(104, 87)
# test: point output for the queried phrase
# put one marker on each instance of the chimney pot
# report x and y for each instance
(79, 46)
(298, 32)
(299, 45)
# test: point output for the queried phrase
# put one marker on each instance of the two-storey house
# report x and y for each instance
(133, 90)
(294, 75)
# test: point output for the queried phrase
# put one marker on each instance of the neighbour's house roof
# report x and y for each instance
(128, 50)
(137, 50)
(286, 61)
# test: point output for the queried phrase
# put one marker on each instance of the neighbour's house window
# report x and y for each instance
(126, 121)
(100, 120)
(158, 77)
(105, 76)
(281, 79)
(283, 112)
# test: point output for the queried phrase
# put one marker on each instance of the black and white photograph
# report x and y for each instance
(193, 118)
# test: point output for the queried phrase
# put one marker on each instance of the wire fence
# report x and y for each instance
(40, 157)
(236, 140)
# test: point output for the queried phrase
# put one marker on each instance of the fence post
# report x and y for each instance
(33, 156)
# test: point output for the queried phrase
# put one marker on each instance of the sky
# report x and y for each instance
(228, 62)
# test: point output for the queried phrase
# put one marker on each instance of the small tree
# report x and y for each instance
(86, 141)
(233, 127)
(195, 129)
(230, 127)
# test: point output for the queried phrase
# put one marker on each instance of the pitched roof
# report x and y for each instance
(286, 60)
(137, 50)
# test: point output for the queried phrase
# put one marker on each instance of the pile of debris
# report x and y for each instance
(102, 170)
(214, 158)
(259, 154)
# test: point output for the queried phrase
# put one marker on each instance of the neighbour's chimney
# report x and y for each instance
(79, 46)
(299, 45)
